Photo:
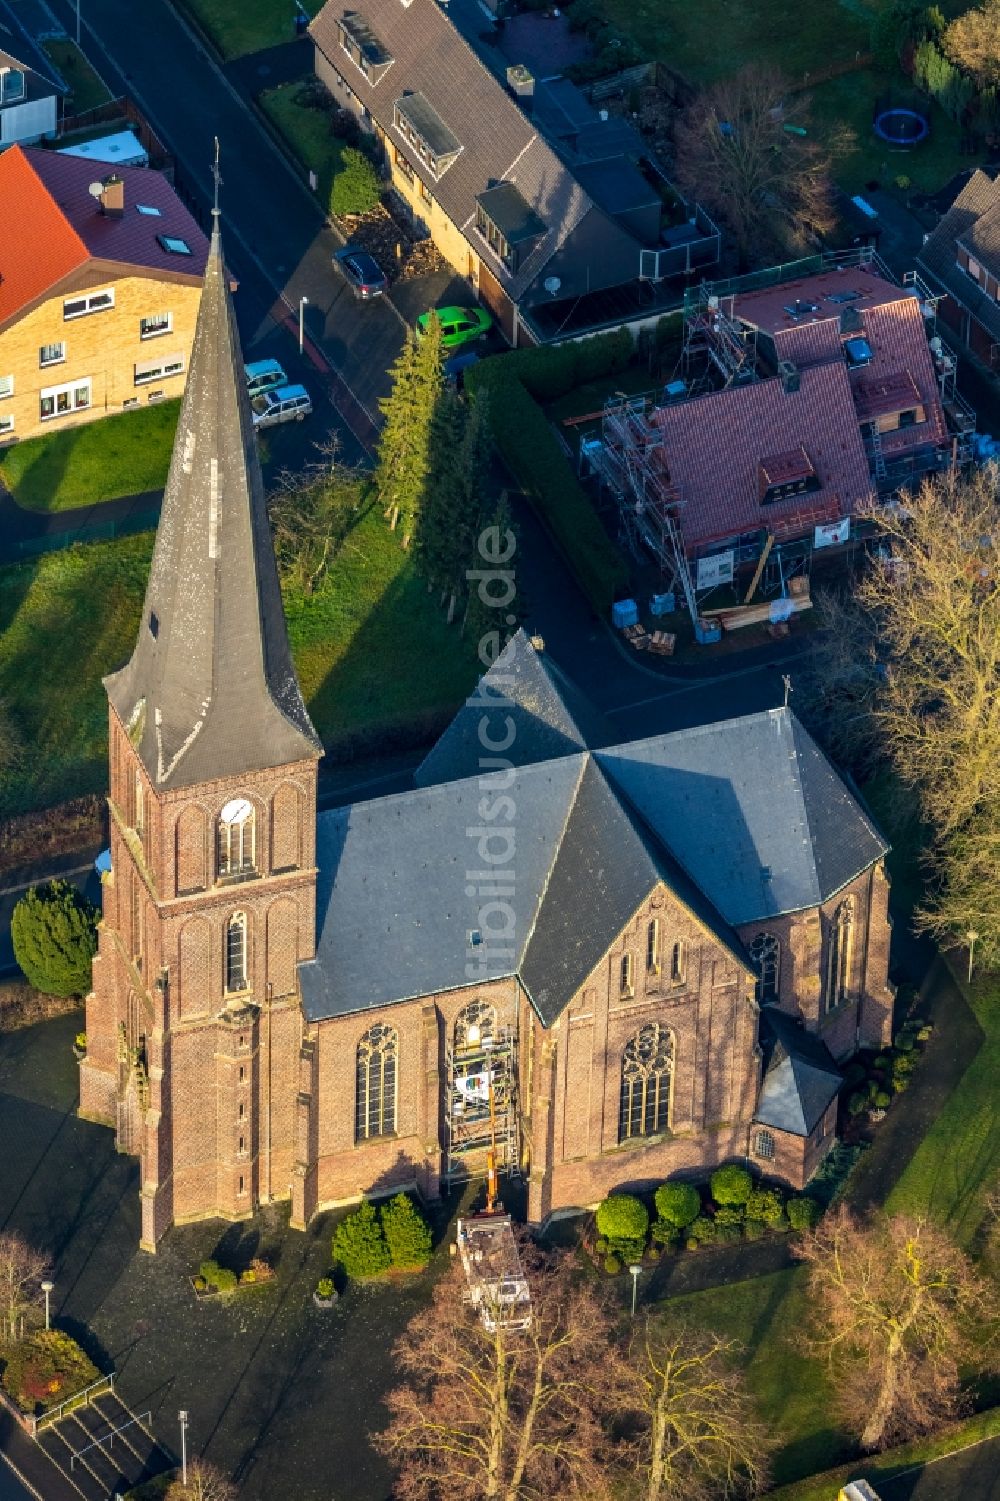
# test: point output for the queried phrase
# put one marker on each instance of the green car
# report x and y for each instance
(459, 325)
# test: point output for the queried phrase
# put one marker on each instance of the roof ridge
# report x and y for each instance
(585, 759)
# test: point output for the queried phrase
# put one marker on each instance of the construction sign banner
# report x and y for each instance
(832, 534)
(716, 570)
(475, 1088)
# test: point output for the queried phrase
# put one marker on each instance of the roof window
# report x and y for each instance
(174, 245)
(421, 125)
(800, 308)
(858, 352)
(149, 210)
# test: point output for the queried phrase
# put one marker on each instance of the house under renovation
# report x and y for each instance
(799, 403)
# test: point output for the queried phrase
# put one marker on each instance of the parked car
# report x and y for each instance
(265, 375)
(459, 325)
(362, 271)
(456, 367)
(286, 404)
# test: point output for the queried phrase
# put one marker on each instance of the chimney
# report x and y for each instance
(112, 198)
(789, 376)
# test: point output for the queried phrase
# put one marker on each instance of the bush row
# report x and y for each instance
(372, 1239)
(514, 384)
(874, 1086)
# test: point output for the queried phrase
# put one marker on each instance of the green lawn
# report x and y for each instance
(88, 90)
(308, 133)
(240, 26)
(959, 1158)
(126, 454)
(768, 1316)
(377, 663)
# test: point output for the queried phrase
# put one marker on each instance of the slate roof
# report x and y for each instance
(57, 227)
(499, 143)
(751, 810)
(210, 690)
(527, 701)
(976, 211)
(800, 1075)
(713, 444)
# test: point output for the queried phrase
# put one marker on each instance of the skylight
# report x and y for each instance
(174, 245)
(858, 352)
(147, 208)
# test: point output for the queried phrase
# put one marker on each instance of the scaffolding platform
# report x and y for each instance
(477, 1067)
(497, 1286)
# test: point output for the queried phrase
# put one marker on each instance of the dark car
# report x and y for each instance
(363, 272)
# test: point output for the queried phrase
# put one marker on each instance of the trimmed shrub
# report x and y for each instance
(407, 1233)
(324, 1287)
(857, 1103)
(902, 1065)
(209, 1272)
(924, 1035)
(359, 1245)
(802, 1212)
(754, 1230)
(678, 1203)
(883, 1061)
(731, 1184)
(225, 1280)
(54, 932)
(44, 1369)
(881, 1100)
(622, 1217)
(703, 1228)
(727, 1234)
(905, 1042)
(601, 1246)
(628, 1250)
(612, 1266)
(664, 1233)
(900, 1084)
(356, 185)
(199, 1283)
(692, 1244)
(730, 1214)
(765, 1204)
(248, 1276)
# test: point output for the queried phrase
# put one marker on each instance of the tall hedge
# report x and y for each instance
(515, 384)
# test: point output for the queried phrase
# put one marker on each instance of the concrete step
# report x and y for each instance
(141, 1456)
(93, 1445)
(78, 1477)
(34, 1466)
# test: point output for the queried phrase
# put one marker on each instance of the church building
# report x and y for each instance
(622, 960)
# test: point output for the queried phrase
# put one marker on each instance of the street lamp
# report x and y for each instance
(183, 1419)
(302, 307)
(78, 22)
(634, 1271)
(47, 1288)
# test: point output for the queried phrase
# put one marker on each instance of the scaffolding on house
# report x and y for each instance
(475, 1069)
(717, 344)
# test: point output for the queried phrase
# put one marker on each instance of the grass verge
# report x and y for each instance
(379, 668)
(249, 25)
(125, 454)
(308, 134)
(88, 89)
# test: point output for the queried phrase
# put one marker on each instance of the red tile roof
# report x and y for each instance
(714, 445)
(881, 395)
(898, 342)
(767, 309)
(57, 225)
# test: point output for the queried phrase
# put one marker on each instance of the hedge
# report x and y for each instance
(513, 385)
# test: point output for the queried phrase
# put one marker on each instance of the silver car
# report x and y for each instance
(286, 404)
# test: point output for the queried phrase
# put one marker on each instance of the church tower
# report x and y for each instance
(194, 1025)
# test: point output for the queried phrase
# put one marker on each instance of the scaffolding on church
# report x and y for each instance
(479, 1064)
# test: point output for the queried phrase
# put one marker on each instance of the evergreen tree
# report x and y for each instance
(54, 931)
(407, 1233)
(452, 515)
(405, 444)
(493, 619)
(359, 1244)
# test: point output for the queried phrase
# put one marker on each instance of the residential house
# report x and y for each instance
(962, 259)
(469, 166)
(30, 88)
(656, 950)
(100, 279)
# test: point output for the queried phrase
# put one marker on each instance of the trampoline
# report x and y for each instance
(901, 127)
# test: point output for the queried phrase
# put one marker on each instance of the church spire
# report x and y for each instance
(210, 690)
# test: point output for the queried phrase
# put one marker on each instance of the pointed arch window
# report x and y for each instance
(139, 823)
(678, 963)
(647, 1071)
(236, 952)
(375, 1099)
(653, 947)
(626, 985)
(237, 838)
(475, 1027)
(839, 954)
(765, 951)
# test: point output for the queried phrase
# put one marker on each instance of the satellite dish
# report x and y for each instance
(96, 189)
(552, 285)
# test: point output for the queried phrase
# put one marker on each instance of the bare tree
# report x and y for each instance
(898, 1307)
(743, 149)
(516, 1416)
(205, 1482)
(311, 517)
(698, 1434)
(21, 1270)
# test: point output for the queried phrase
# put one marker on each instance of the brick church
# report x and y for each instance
(653, 954)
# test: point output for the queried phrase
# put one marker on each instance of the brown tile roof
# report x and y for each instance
(979, 199)
(498, 142)
(898, 340)
(714, 445)
(767, 309)
(57, 226)
(879, 395)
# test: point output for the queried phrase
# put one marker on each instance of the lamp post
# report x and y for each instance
(78, 22)
(634, 1270)
(183, 1418)
(47, 1288)
(302, 308)
(970, 939)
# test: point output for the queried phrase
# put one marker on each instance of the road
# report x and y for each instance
(971, 1475)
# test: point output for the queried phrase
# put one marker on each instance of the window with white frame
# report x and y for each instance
(148, 210)
(174, 245)
(60, 401)
(236, 838)
(150, 370)
(763, 1146)
(90, 302)
(52, 354)
(6, 425)
(236, 952)
(6, 385)
(974, 269)
(156, 324)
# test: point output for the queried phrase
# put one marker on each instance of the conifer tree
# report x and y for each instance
(54, 932)
(405, 445)
(489, 614)
(453, 509)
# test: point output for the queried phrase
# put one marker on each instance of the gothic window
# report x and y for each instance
(653, 947)
(139, 823)
(236, 952)
(678, 964)
(763, 1146)
(839, 952)
(237, 827)
(647, 1068)
(473, 1025)
(375, 1098)
(765, 951)
(625, 985)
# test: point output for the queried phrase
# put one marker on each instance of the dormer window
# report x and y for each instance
(236, 838)
(420, 125)
(12, 86)
(363, 47)
(782, 475)
(508, 224)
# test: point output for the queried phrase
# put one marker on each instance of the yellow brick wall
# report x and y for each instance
(446, 236)
(104, 346)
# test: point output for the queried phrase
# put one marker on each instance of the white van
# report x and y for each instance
(286, 404)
